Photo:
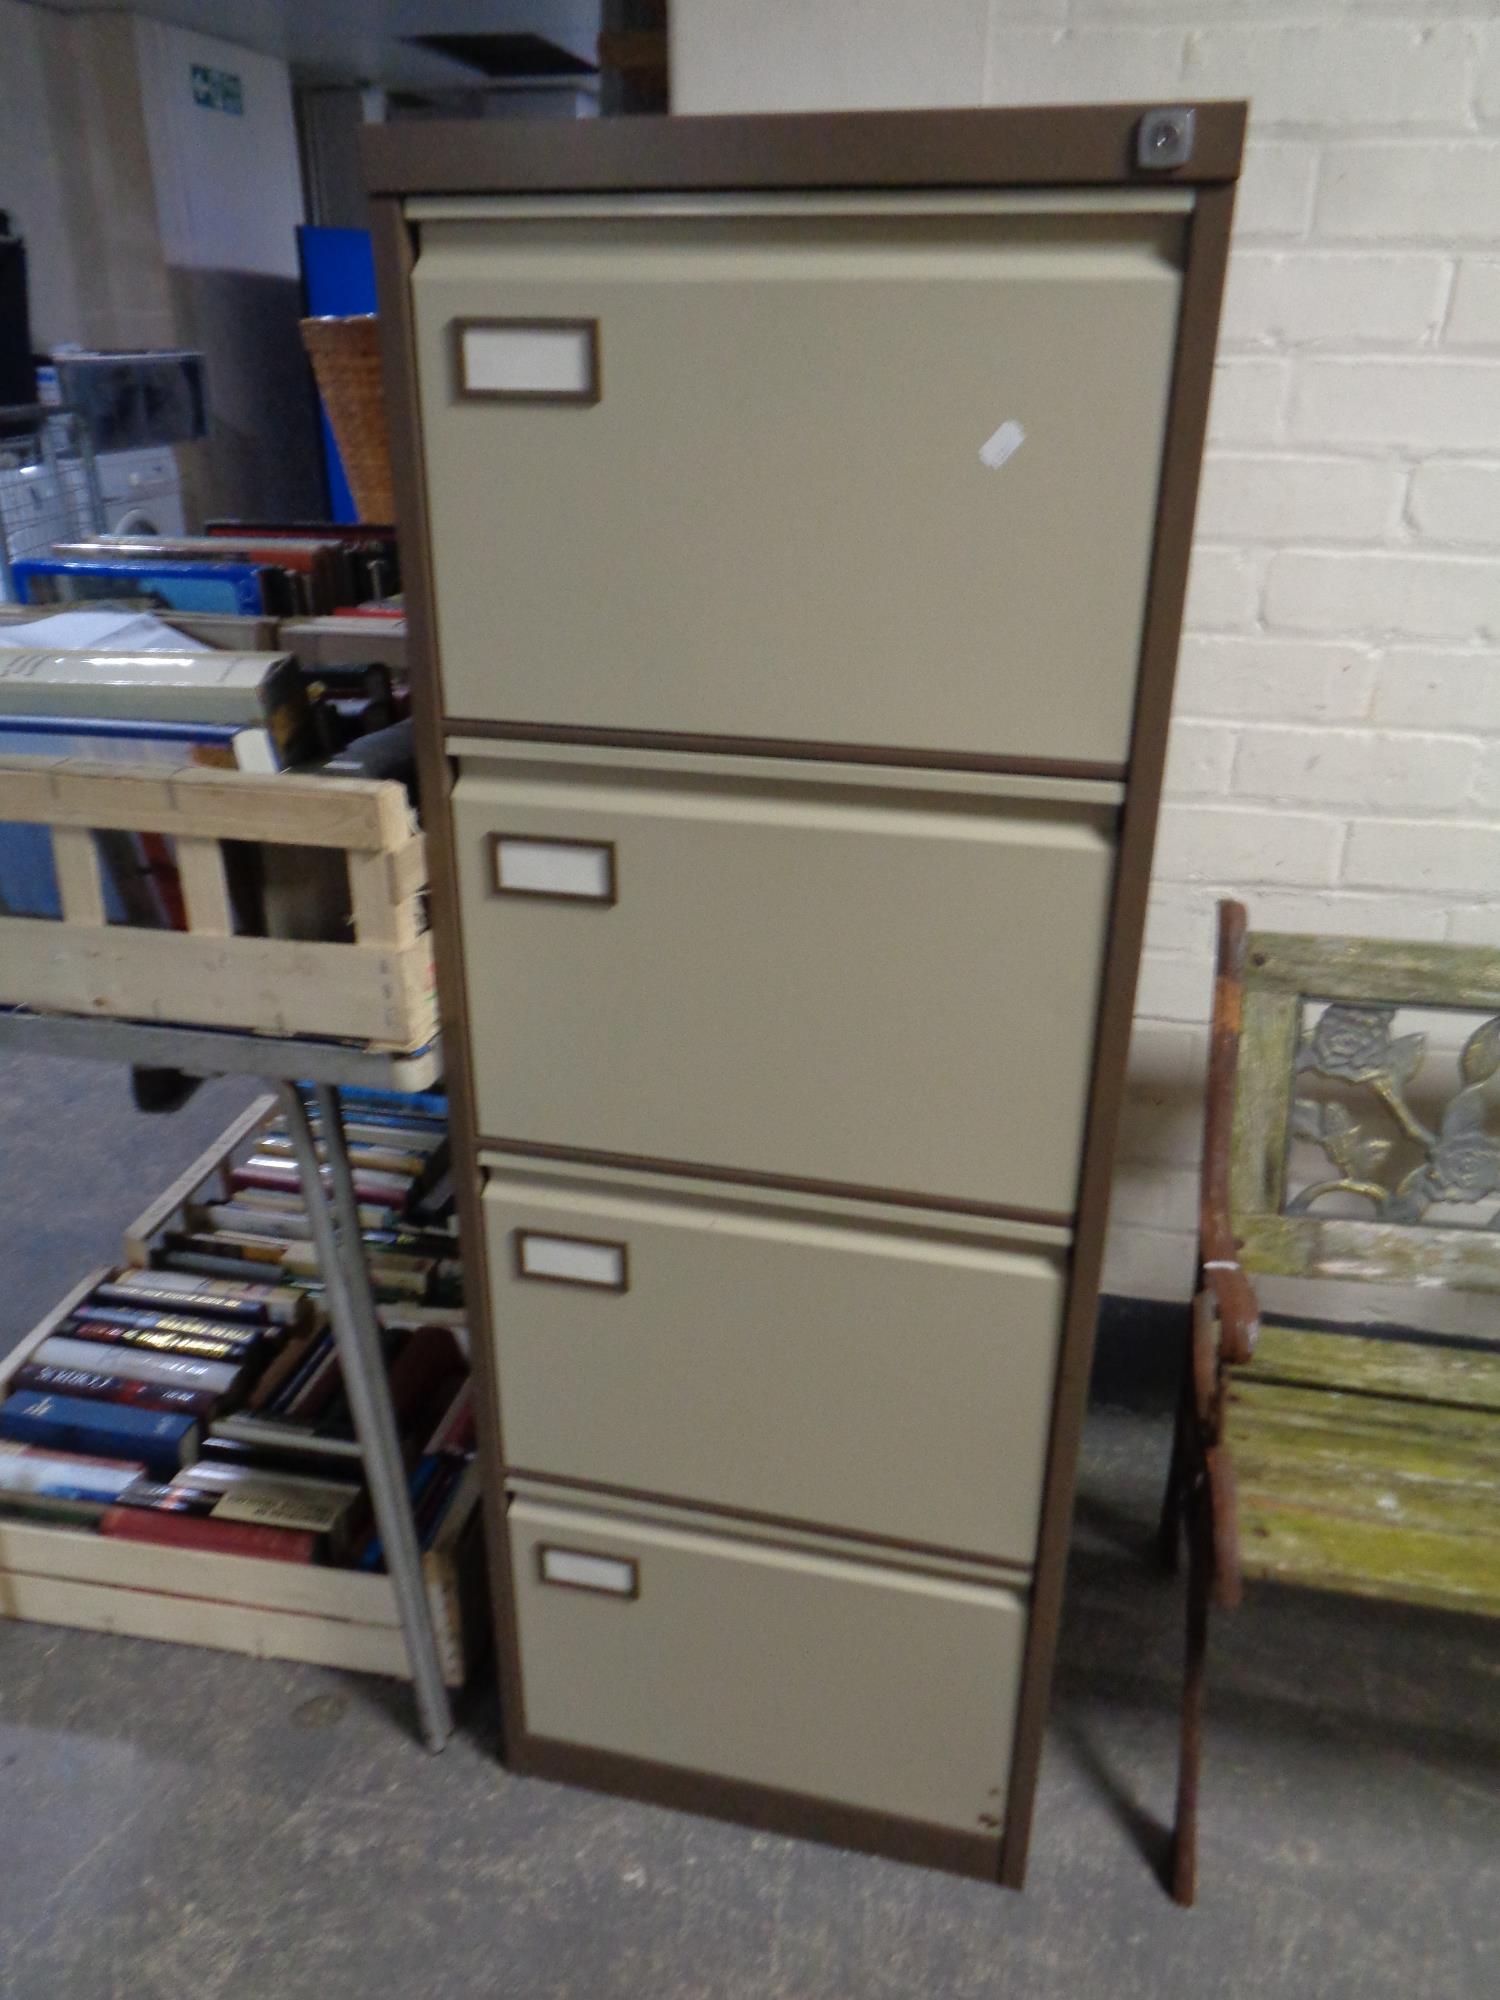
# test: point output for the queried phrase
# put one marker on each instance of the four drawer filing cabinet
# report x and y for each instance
(796, 514)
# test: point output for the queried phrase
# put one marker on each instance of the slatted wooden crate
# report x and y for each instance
(376, 988)
(241, 1604)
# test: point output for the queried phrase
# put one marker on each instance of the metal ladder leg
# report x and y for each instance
(334, 1216)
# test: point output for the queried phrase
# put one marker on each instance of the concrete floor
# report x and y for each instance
(176, 1822)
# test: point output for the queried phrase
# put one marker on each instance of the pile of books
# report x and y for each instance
(275, 569)
(199, 1401)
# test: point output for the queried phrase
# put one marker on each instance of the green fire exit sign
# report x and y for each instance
(218, 90)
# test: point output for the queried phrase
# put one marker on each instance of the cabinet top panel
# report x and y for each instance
(1031, 146)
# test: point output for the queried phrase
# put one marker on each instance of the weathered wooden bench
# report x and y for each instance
(1363, 1461)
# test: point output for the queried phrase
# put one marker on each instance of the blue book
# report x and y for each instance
(161, 584)
(28, 880)
(423, 1104)
(161, 1441)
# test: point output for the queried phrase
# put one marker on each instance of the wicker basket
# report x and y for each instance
(345, 356)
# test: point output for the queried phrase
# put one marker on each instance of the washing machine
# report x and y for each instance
(141, 491)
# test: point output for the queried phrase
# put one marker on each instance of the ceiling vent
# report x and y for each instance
(521, 58)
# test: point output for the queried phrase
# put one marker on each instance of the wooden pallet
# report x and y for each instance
(376, 989)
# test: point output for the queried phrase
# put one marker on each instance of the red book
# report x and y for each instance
(202, 1531)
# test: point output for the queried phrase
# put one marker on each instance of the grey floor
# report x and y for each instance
(176, 1822)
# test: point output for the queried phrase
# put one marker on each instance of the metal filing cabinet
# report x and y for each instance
(796, 513)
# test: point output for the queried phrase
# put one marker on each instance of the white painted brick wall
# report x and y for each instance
(1335, 756)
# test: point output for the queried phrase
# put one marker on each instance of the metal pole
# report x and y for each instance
(351, 1308)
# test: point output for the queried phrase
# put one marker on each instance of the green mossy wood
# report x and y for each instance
(1370, 1466)
(1317, 1456)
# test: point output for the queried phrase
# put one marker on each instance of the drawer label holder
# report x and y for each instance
(584, 1569)
(527, 360)
(558, 871)
(595, 1263)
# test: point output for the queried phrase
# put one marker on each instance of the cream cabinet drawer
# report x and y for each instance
(884, 476)
(813, 1673)
(854, 985)
(870, 1380)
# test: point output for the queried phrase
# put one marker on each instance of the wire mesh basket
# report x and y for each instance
(49, 486)
(345, 355)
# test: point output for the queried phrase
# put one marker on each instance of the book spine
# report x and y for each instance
(308, 1399)
(264, 1170)
(161, 1333)
(209, 1266)
(94, 1357)
(162, 1295)
(280, 1369)
(116, 1389)
(243, 1219)
(248, 1247)
(162, 1442)
(255, 1303)
(363, 1155)
(194, 1531)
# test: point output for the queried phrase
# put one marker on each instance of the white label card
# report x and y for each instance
(572, 1260)
(527, 359)
(581, 1570)
(1003, 444)
(554, 868)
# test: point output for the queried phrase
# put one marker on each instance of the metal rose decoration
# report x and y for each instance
(1460, 1160)
(1353, 1042)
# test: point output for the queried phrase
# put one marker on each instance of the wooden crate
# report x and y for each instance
(376, 989)
(241, 1604)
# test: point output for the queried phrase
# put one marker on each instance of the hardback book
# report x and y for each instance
(454, 1430)
(261, 1248)
(425, 1376)
(289, 1203)
(393, 1275)
(462, 1480)
(264, 1170)
(231, 690)
(184, 1370)
(431, 1192)
(157, 583)
(371, 1553)
(363, 1155)
(164, 1333)
(277, 1500)
(140, 883)
(282, 1439)
(283, 1365)
(315, 575)
(370, 549)
(235, 1222)
(200, 1404)
(308, 1395)
(362, 1100)
(158, 1439)
(200, 1531)
(402, 1318)
(62, 1486)
(307, 1460)
(180, 1253)
(254, 1304)
(416, 1137)
(246, 1219)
